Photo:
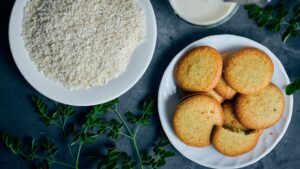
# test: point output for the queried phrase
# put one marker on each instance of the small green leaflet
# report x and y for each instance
(115, 159)
(293, 87)
(144, 118)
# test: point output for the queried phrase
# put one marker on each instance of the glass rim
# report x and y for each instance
(209, 25)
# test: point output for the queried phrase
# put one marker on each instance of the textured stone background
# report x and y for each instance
(17, 115)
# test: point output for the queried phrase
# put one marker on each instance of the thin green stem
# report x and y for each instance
(284, 22)
(57, 125)
(65, 120)
(79, 150)
(52, 160)
(64, 164)
(126, 135)
(78, 154)
(122, 133)
(131, 136)
(286, 38)
(61, 123)
(138, 153)
(136, 131)
(124, 123)
(70, 150)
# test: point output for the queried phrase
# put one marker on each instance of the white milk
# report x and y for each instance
(202, 12)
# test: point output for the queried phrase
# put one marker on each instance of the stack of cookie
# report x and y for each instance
(227, 100)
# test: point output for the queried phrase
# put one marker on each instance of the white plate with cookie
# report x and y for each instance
(168, 98)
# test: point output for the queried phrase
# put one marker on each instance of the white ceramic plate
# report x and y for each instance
(82, 97)
(168, 99)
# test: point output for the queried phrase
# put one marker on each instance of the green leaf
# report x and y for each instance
(40, 105)
(293, 87)
(294, 33)
(145, 120)
(135, 119)
(90, 138)
(251, 7)
(115, 128)
(13, 144)
(104, 108)
(31, 151)
(65, 110)
(116, 159)
(290, 32)
(292, 22)
(282, 12)
(103, 125)
(262, 21)
(163, 141)
(148, 107)
(274, 25)
(146, 157)
(43, 111)
(43, 164)
(168, 154)
(161, 152)
(87, 138)
(253, 10)
(16, 147)
(160, 163)
(49, 147)
(91, 122)
(267, 10)
(132, 118)
(296, 9)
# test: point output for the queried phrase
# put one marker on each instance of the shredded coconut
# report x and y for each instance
(82, 43)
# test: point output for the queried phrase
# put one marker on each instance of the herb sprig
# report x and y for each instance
(293, 87)
(59, 117)
(41, 155)
(159, 155)
(276, 18)
(114, 159)
(43, 152)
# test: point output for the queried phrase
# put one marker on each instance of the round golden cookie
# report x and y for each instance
(260, 110)
(230, 120)
(195, 118)
(214, 95)
(234, 143)
(226, 57)
(184, 94)
(248, 70)
(199, 70)
(224, 90)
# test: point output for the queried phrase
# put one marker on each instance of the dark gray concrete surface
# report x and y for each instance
(17, 114)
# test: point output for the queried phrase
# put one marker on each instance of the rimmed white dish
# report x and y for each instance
(139, 62)
(213, 23)
(168, 99)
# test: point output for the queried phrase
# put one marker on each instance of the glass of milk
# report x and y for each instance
(206, 13)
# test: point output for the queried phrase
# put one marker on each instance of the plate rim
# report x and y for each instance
(12, 44)
(271, 147)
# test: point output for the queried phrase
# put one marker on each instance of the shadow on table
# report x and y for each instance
(5, 10)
